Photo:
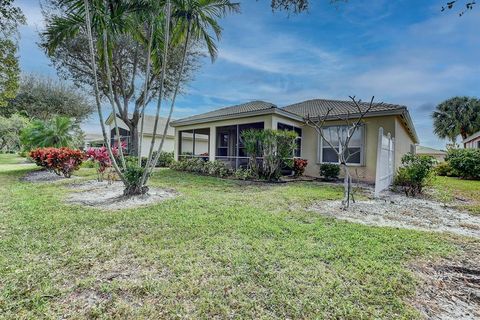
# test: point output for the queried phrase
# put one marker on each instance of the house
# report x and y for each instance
(93, 140)
(473, 141)
(439, 155)
(148, 134)
(222, 129)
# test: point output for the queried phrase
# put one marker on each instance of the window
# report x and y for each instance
(298, 150)
(355, 152)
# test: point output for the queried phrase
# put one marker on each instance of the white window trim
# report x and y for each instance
(362, 128)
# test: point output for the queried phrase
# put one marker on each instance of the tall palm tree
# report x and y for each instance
(165, 25)
(195, 21)
(457, 116)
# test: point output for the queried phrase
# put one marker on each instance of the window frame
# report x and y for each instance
(320, 146)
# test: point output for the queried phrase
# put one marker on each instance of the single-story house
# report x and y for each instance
(93, 140)
(148, 134)
(222, 129)
(473, 141)
(439, 155)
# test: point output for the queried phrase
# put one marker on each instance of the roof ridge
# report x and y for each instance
(343, 101)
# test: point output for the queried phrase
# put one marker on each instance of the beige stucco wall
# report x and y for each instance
(403, 142)
(366, 172)
(168, 145)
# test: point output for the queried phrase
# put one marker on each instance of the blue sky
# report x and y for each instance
(404, 52)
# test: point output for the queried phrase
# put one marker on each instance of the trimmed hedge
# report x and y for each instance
(198, 165)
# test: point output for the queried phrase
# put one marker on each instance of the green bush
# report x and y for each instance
(444, 169)
(198, 165)
(465, 162)
(329, 171)
(133, 175)
(216, 169)
(165, 159)
(88, 164)
(244, 174)
(415, 173)
(276, 147)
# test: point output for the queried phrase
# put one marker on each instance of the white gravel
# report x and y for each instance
(103, 195)
(396, 210)
(41, 176)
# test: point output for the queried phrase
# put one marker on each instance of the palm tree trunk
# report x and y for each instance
(160, 96)
(177, 87)
(97, 91)
(142, 108)
(110, 92)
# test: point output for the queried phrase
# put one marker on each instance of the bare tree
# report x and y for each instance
(352, 122)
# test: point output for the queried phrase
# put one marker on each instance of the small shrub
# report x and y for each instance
(101, 159)
(62, 161)
(299, 166)
(444, 169)
(165, 159)
(133, 174)
(415, 173)
(244, 174)
(329, 171)
(89, 164)
(198, 165)
(465, 162)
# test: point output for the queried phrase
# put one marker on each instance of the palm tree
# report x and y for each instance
(194, 22)
(164, 26)
(58, 132)
(457, 116)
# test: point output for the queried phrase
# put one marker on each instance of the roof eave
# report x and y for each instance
(273, 110)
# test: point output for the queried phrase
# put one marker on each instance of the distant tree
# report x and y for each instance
(57, 132)
(290, 5)
(43, 98)
(10, 18)
(10, 129)
(457, 116)
(467, 5)
(298, 6)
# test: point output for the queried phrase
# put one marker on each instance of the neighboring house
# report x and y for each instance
(437, 154)
(93, 140)
(223, 127)
(472, 142)
(147, 134)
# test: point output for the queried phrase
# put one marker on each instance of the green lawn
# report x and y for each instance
(222, 249)
(449, 188)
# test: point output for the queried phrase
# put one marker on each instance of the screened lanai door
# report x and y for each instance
(229, 144)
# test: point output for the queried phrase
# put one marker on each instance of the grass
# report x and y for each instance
(222, 249)
(449, 188)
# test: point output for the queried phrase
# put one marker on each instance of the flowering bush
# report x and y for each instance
(299, 166)
(59, 160)
(101, 157)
